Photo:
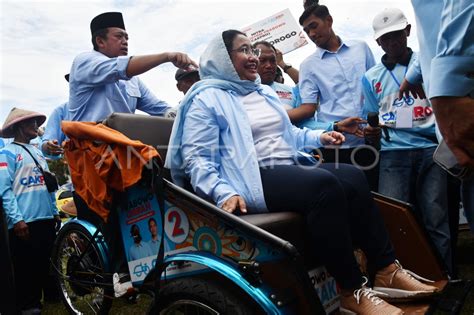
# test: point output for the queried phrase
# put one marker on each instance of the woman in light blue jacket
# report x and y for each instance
(234, 142)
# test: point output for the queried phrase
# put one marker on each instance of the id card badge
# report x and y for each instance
(404, 117)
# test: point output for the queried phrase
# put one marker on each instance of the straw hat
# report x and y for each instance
(18, 115)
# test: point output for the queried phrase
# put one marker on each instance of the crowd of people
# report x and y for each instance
(312, 132)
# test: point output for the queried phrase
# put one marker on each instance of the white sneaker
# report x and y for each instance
(120, 289)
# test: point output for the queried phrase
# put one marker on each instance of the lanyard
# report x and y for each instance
(395, 78)
(408, 100)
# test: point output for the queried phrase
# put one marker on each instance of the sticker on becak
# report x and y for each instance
(176, 225)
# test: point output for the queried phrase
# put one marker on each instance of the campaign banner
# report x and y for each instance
(183, 230)
(141, 231)
(281, 30)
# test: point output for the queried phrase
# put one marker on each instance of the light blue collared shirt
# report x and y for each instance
(446, 34)
(99, 86)
(140, 250)
(53, 128)
(334, 79)
(154, 246)
(413, 74)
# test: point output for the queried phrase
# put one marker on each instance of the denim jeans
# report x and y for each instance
(412, 176)
(467, 193)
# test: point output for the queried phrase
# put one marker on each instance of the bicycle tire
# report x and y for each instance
(84, 284)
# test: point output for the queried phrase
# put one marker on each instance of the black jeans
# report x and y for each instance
(340, 213)
(31, 262)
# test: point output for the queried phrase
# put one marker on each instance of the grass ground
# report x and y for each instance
(465, 263)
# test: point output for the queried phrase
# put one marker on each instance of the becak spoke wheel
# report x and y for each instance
(85, 286)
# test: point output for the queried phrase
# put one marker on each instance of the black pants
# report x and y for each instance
(31, 262)
(364, 157)
(340, 213)
(7, 281)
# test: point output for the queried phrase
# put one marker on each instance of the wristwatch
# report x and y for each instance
(334, 126)
(286, 67)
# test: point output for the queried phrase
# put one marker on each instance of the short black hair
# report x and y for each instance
(102, 33)
(264, 43)
(308, 3)
(319, 11)
(228, 37)
(133, 227)
(150, 220)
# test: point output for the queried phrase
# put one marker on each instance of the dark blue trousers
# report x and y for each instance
(340, 214)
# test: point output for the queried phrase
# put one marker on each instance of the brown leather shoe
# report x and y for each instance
(365, 302)
(402, 284)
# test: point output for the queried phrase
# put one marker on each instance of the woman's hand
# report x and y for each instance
(234, 203)
(332, 137)
(21, 230)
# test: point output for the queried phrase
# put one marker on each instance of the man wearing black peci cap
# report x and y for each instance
(104, 80)
(185, 78)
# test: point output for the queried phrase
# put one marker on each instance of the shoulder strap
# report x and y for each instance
(36, 162)
(159, 187)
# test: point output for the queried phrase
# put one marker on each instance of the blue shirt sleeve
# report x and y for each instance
(452, 72)
(309, 90)
(326, 126)
(369, 59)
(370, 101)
(53, 129)
(296, 96)
(413, 74)
(94, 69)
(149, 103)
(7, 171)
(306, 139)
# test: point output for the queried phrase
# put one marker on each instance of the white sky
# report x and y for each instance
(39, 39)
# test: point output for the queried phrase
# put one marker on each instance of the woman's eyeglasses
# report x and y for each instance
(249, 51)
